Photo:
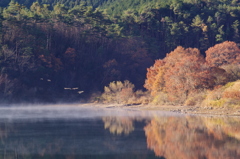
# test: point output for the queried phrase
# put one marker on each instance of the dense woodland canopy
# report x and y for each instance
(52, 3)
(55, 49)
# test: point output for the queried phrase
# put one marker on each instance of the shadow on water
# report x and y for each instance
(78, 132)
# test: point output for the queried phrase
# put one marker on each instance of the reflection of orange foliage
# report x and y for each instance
(228, 126)
(118, 125)
(222, 54)
(190, 138)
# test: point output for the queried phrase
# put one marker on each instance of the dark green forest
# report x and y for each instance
(52, 3)
(66, 50)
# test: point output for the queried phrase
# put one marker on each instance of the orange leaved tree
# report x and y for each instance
(186, 73)
(155, 81)
(181, 73)
(222, 54)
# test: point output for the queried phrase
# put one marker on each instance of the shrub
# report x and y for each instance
(195, 99)
(160, 98)
(118, 92)
(227, 95)
(213, 97)
(217, 103)
(142, 97)
(233, 91)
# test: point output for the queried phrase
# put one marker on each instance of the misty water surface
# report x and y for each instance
(88, 132)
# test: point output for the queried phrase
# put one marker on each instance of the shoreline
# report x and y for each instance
(190, 110)
(181, 109)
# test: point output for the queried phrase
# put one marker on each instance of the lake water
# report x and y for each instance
(70, 132)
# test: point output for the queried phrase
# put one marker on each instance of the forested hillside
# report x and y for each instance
(56, 54)
(69, 51)
(51, 3)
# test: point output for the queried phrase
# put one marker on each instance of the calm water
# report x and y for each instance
(86, 133)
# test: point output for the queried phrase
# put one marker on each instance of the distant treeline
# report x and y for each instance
(67, 3)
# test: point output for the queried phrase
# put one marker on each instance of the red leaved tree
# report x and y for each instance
(181, 73)
(186, 73)
(222, 54)
(155, 81)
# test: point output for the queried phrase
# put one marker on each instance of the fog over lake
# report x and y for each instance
(80, 131)
(69, 111)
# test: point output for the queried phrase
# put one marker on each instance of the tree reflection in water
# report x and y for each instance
(73, 139)
(4, 129)
(194, 137)
(140, 136)
(118, 125)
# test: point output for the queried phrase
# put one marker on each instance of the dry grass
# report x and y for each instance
(225, 96)
(195, 99)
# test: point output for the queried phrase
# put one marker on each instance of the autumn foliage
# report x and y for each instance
(185, 76)
(193, 138)
(118, 125)
(185, 72)
(225, 96)
(221, 54)
(118, 92)
(154, 81)
(181, 73)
